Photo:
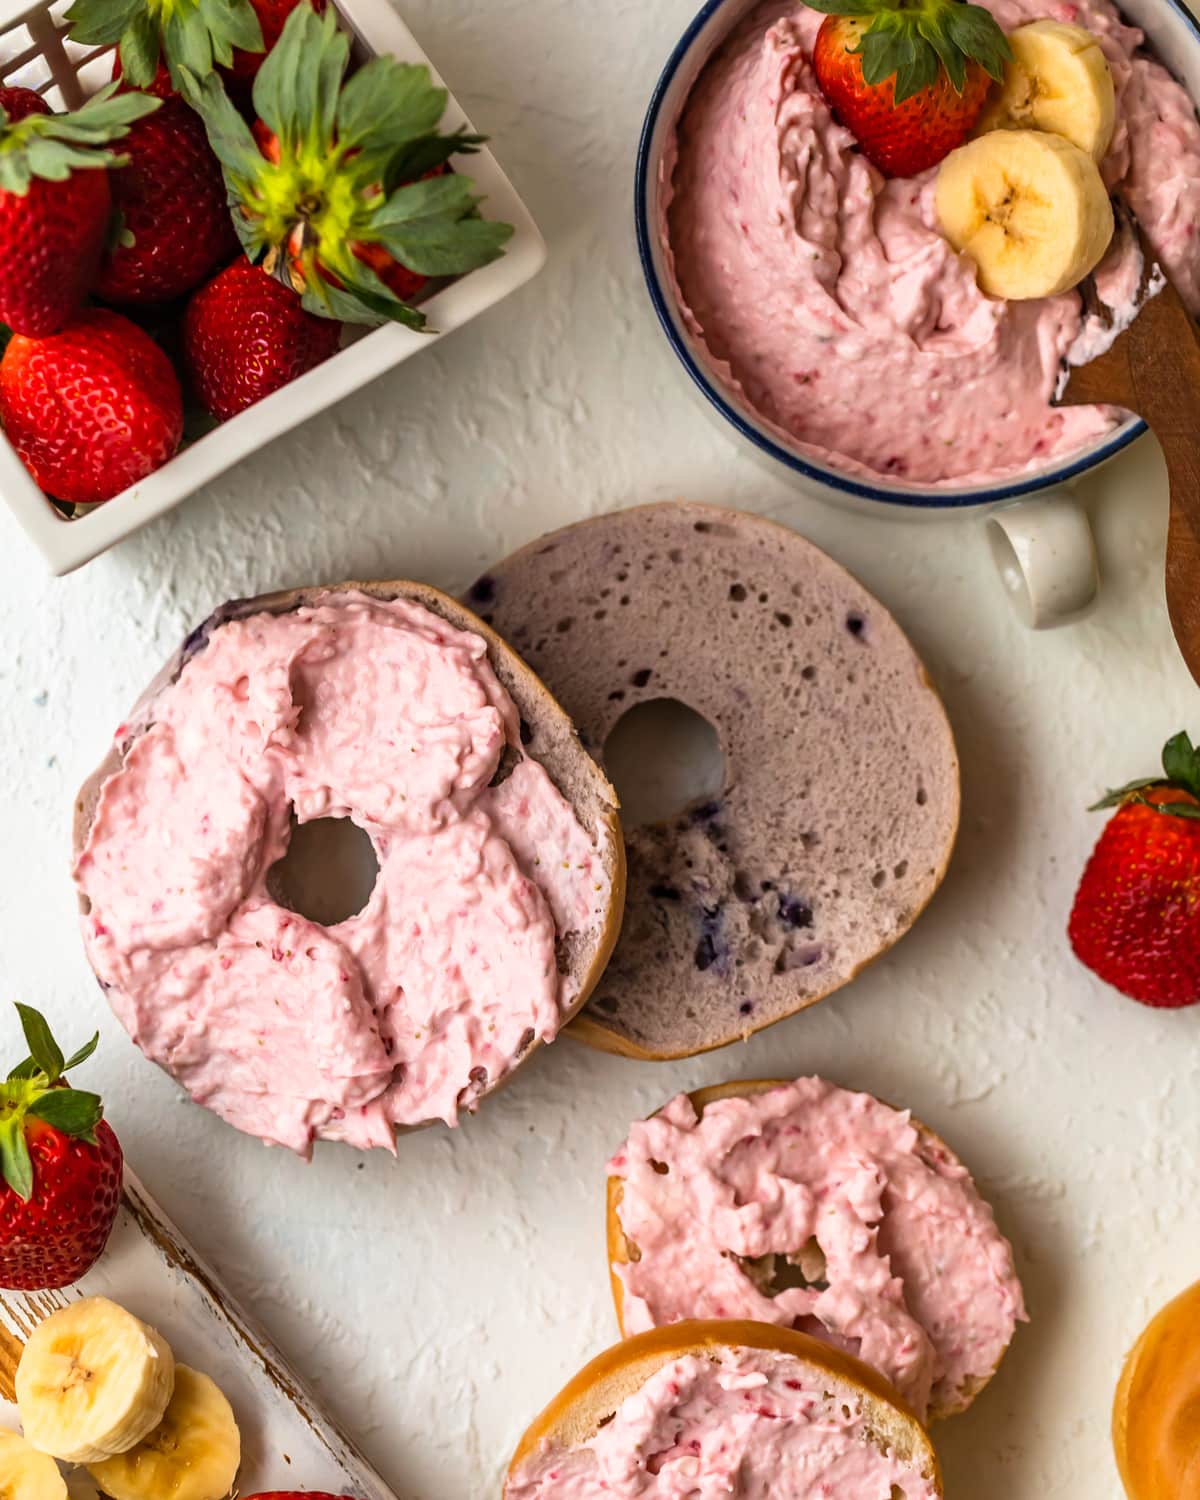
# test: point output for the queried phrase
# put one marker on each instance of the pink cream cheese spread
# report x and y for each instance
(743, 1425)
(404, 1013)
(824, 297)
(826, 1211)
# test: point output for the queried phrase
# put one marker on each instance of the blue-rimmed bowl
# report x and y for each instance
(1050, 568)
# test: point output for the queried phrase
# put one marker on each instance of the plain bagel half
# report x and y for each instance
(547, 738)
(765, 1286)
(686, 1379)
(839, 806)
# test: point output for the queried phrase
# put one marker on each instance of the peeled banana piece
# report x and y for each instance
(93, 1380)
(193, 1454)
(1058, 80)
(26, 1474)
(1029, 208)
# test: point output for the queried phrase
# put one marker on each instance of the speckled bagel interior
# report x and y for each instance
(840, 802)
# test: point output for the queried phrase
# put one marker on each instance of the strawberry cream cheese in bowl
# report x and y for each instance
(814, 1208)
(499, 865)
(823, 310)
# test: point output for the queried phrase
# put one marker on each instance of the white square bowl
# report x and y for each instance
(34, 51)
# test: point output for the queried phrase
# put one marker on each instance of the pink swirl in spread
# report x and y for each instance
(825, 298)
(740, 1423)
(826, 1211)
(382, 713)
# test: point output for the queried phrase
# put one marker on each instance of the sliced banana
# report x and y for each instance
(26, 1474)
(1029, 208)
(93, 1381)
(1058, 80)
(193, 1454)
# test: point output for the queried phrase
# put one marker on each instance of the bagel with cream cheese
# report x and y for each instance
(501, 865)
(735, 1410)
(839, 806)
(804, 1205)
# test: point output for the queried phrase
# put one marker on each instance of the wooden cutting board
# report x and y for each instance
(287, 1443)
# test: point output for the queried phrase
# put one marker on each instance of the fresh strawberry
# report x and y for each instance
(175, 222)
(91, 409)
(907, 78)
(272, 17)
(17, 103)
(197, 34)
(1136, 918)
(246, 335)
(159, 84)
(54, 207)
(342, 166)
(61, 1166)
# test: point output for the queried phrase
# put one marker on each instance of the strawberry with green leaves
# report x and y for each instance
(61, 1166)
(1136, 917)
(199, 35)
(16, 103)
(353, 168)
(55, 204)
(907, 78)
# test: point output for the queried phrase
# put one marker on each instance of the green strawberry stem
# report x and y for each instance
(35, 1087)
(54, 146)
(194, 34)
(914, 40)
(1181, 772)
(348, 149)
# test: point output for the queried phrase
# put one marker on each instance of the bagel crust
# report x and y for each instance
(802, 1204)
(837, 813)
(734, 1409)
(500, 864)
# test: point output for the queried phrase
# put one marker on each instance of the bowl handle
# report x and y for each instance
(1046, 556)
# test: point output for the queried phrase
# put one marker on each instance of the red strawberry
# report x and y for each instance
(176, 225)
(1136, 918)
(272, 17)
(347, 173)
(91, 409)
(61, 1168)
(159, 84)
(54, 207)
(246, 335)
(908, 81)
(17, 103)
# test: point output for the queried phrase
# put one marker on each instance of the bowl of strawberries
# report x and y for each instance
(212, 226)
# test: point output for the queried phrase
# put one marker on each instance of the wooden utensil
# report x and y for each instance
(1153, 369)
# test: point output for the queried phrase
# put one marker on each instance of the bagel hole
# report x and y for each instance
(663, 758)
(328, 872)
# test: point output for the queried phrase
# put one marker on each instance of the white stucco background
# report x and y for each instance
(438, 1300)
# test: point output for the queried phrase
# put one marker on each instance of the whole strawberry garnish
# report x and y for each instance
(344, 174)
(54, 207)
(1136, 918)
(907, 78)
(246, 335)
(61, 1165)
(91, 409)
(17, 103)
(175, 223)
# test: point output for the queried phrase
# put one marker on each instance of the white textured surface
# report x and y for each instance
(438, 1300)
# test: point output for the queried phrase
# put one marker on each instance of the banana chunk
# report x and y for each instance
(1030, 209)
(93, 1381)
(26, 1474)
(193, 1454)
(1058, 80)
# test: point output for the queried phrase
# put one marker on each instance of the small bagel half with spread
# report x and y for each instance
(724, 1408)
(807, 1206)
(500, 864)
(839, 805)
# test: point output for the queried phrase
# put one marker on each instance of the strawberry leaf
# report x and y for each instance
(296, 90)
(139, 49)
(14, 1156)
(72, 1111)
(1181, 763)
(194, 34)
(44, 1050)
(389, 104)
(27, 1068)
(426, 154)
(432, 247)
(76, 1058)
(100, 23)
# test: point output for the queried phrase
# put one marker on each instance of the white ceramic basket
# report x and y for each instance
(36, 52)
